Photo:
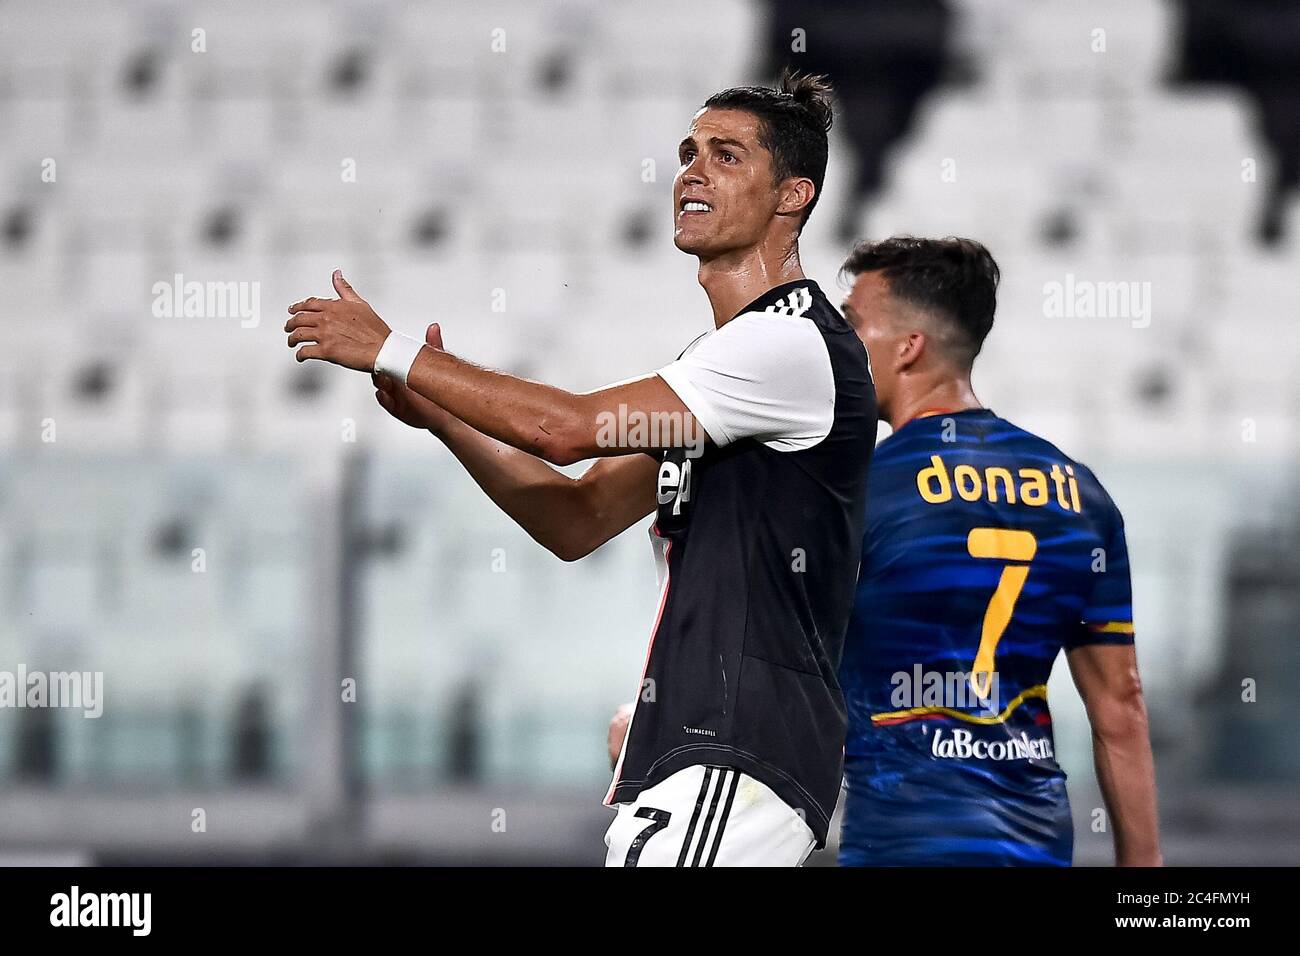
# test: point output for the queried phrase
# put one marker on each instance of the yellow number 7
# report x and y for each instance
(1005, 545)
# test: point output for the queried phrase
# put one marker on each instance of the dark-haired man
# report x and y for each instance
(987, 550)
(734, 750)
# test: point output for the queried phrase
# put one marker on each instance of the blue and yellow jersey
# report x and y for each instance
(987, 550)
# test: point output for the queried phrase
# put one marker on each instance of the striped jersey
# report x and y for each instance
(758, 535)
(987, 551)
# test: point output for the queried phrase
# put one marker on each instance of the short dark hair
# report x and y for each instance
(955, 279)
(793, 120)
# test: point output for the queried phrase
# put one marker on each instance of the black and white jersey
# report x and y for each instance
(759, 538)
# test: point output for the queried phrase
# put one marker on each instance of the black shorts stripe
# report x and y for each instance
(695, 817)
(713, 809)
(722, 821)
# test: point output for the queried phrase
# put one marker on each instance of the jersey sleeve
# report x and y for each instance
(763, 376)
(1108, 615)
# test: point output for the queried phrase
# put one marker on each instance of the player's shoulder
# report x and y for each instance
(774, 341)
(938, 432)
(794, 298)
(789, 335)
(976, 430)
(1089, 483)
(1027, 440)
(693, 344)
(793, 331)
(797, 302)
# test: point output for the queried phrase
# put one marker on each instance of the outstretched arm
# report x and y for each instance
(550, 423)
(569, 517)
(1107, 678)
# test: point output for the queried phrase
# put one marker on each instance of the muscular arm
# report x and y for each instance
(547, 422)
(550, 423)
(569, 517)
(505, 429)
(1107, 678)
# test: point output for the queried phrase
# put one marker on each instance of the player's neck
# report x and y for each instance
(734, 280)
(939, 397)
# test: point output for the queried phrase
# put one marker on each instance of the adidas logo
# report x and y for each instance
(796, 303)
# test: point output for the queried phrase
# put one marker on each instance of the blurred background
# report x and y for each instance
(321, 643)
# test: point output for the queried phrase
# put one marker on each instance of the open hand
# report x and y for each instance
(344, 331)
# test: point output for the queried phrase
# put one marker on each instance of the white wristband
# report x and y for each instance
(397, 355)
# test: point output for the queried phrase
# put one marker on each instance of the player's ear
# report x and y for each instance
(910, 348)
(796, 193)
